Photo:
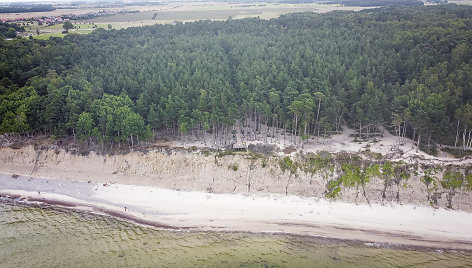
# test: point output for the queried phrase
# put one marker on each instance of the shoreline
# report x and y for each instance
(432, 229)
(71, 207)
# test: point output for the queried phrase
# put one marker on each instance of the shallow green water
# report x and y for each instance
(41, 237)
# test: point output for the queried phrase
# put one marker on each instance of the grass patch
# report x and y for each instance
(206, 152)
(373, 155)
(234, 167)
(224, 153)
(56, 30)
(345, 157)
(48, 35)
(254, 156)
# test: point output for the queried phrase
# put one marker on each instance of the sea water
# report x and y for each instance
(34, 236)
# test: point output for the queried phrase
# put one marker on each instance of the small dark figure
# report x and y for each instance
(125, 209)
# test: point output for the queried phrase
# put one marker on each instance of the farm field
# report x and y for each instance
(187, 12)
(165, 13)
(461, 2)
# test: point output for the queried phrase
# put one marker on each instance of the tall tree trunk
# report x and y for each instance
(368, 132)
(317, 125)
(360, 130)
(457, 134)
(399, 133)
(469, 139)
(306, 124)
(404, 132)
(285, 133)
(273, 126)
(429, 140)
(463, 138)
(418, 144)
(336, 124)
(255, 116)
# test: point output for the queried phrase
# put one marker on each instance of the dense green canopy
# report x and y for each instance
(409, 68)
(8, 30)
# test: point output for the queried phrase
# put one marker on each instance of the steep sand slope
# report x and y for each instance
(188, 170)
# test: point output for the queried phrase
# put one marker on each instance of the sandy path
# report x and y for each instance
(405, 225)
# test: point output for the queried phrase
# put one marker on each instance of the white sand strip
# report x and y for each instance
(405, 225)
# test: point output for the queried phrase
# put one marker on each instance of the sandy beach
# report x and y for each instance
(402, 225)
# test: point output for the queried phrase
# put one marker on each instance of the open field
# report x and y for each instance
(211, 11)
(207, 9)
(461, 2)
(164, 14)
(46, 31)
(56, 30)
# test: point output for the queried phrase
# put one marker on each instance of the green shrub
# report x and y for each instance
(333, 188)
(233, 167)
(468, 179)
(316, 162)
(287, 163)
(264, 163)
(452, 180)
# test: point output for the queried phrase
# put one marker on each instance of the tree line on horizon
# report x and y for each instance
(24, 8)
(408, 69)
(377, 3)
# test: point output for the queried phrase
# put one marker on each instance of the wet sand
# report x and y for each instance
(401, 225)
